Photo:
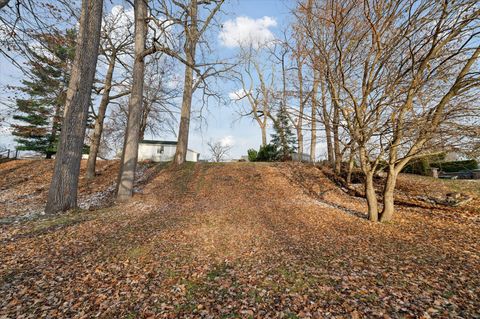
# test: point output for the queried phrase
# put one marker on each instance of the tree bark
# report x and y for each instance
(102, 110)
(264, 135)
(190, 51)
(301, 98)
(62, 194)
(126, 176)
(57, 120)
(182, 142)
(336, 140)
(328, 128)
(388, 195)
(3, 3)
(370, 194)
(144, 120)
(300, 143)
(351, 163)
(371, 197)
(313, 133)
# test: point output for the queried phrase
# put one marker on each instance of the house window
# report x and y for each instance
(160, 150)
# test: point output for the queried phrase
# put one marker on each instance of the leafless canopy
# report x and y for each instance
(218, 151)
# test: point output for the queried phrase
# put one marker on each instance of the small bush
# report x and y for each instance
(455, 166)
(419, 166)
(268, 153)
(252, 155)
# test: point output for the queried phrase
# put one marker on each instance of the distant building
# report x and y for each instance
(162, 151)
(302, 157)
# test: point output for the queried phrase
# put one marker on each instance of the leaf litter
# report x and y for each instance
(240, 240)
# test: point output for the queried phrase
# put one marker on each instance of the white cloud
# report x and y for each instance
(244, 31)
(237, 95)
(227, 141)
(119, 23)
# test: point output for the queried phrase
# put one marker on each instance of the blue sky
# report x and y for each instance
(222, 122)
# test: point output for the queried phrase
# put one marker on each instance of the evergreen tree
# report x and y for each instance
(284, 139)
(40, 110)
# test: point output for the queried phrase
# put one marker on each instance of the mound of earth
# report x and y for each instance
(24, 186)
(240, 240)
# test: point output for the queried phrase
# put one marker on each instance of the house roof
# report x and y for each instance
(158, 142)
(155, 142)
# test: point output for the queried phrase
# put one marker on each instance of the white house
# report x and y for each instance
(304, 157)
(162, 151)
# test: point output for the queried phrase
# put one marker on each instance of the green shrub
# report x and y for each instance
(421, 165)
(418, 166)
(455, 166)
(252, 155)
(268, 153)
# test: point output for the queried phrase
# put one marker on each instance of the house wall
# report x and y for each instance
(304, 157)
(151, 152)
(192, 156)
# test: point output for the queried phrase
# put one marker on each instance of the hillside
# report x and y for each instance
(24, 186)
(236, 240)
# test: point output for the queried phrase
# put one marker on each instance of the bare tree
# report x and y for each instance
(194, 17)
(218, 151)
(255, 72)
(315, 48)
(298, 94)
(160, 104)
(187, 16)
(62, 194)
(396, 79)
(116, 41)
(126, 176)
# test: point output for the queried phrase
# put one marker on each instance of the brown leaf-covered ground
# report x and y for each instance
(24, 185)
(240, 241)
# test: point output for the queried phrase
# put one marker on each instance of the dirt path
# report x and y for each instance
(238, 240)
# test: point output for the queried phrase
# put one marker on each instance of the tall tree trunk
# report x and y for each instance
(336, 140)
(144, 122)
(368, 184)
(300, 143)
(263, 128)
(388, 195)
(313, 133)
(351, 162)
(56, 123)
(328, 127)
(102, 110)
(371, 197)
(301, 101)
(126, 176)
(190, 51)
(62, 194)
(182, 142)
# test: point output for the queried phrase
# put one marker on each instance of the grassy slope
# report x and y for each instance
(240, 240)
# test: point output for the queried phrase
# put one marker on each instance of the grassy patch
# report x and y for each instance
(61, 221)
(138, 252)
(184, 177)
(219, 270)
